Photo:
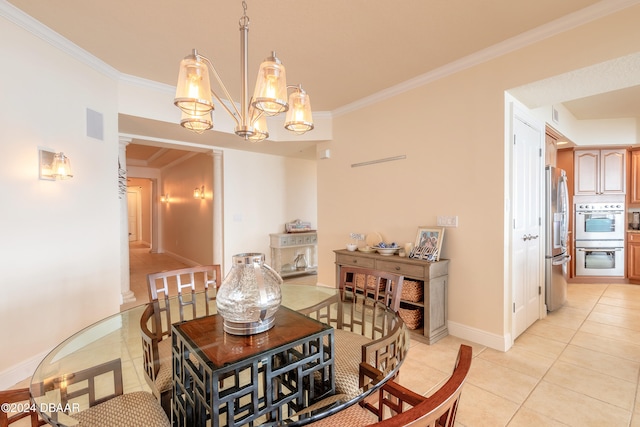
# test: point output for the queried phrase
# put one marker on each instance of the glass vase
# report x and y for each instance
(249, 295)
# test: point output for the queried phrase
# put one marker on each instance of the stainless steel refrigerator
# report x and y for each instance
(556, 241)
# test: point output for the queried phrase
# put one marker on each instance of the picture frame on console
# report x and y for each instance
(428, 243)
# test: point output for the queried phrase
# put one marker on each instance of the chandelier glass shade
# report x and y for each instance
(196, 123)
(193, 93)
(270, 98)
(298, 117)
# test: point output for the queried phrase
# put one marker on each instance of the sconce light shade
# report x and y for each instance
(198, 193)
(54, 166)
(299, 118)
(61, 166)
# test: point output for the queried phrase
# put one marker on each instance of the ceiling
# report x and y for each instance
(340, 51)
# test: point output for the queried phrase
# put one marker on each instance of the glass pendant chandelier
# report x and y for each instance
(270, 98)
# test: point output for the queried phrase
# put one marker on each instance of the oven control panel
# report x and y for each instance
(584, 207)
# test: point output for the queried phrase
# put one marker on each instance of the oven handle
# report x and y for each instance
(601, 212)
(599, 249)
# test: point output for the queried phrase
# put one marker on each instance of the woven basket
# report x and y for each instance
(412, 291)
(371, 282)
(412, 316)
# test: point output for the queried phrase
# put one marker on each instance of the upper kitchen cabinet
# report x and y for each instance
(634, 179)
(600, 171)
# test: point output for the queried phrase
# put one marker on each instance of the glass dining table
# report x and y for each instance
(381, 332)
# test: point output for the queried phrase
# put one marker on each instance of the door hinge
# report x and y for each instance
(539, 290)
(514, 307)
(540, 152)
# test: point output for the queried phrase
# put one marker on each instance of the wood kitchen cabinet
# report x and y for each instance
(633, 256)
(634, 179)
(600, 171)
(433, 275)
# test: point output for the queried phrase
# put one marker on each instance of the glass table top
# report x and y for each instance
(119, 337)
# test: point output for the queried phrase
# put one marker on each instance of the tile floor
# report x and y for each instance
(580, 366)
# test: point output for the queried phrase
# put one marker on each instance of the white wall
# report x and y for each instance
(59, 240)
(262, 193)
(590, 132)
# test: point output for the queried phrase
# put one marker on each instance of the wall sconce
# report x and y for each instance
(165, 198)
(53, 166)
(198, 193)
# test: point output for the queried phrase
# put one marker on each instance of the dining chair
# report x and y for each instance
(23, 408)
(155, 322)
(98, 390)
(398, 406)
(380, 344)
(364, 286)
(374, 284)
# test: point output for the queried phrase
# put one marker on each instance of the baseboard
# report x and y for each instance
(182, 259)
(497, 342)
(21, 371)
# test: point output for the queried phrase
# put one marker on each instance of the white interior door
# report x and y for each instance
(526, 236)
(133, 212)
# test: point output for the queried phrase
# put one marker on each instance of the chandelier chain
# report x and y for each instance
(244, 19)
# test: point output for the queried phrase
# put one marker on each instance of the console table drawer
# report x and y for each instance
(415, 271)
(356, 261)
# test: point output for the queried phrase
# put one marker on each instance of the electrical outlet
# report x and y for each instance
(447, 221)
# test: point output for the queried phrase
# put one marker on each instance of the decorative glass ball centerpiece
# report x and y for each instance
(249, 295)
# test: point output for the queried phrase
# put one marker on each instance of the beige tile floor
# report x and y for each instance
(580, 366)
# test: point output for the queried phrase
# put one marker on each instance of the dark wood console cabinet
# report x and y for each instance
(433, 275)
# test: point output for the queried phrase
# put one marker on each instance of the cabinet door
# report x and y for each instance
(612, 165)
(587, 172)
(633, 258)
(634, 197)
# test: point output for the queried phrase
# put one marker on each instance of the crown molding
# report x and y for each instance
(26, 22)
(573, 20)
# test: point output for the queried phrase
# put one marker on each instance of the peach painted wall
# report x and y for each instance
(452, 133)
(187, 225)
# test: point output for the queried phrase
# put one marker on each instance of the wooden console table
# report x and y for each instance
(230, 380)
(433, 275)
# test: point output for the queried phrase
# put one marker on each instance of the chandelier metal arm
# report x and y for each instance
(224, 89)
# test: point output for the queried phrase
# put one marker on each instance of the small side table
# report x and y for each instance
(234, 380)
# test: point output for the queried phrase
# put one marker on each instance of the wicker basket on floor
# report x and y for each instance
(412, 291)
(412, 316)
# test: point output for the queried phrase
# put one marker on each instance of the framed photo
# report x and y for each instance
(428, 243)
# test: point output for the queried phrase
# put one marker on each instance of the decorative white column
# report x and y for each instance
(218, 218)
(126, 295)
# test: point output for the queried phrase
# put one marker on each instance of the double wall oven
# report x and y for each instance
(599, 238)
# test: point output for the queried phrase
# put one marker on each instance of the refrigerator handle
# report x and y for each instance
(562, 260)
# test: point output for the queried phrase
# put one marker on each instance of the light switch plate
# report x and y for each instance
(447, 221)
